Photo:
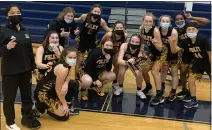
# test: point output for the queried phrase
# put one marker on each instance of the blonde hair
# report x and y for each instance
(64, 12)
(148, 14)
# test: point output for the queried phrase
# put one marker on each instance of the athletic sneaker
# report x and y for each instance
(187, 98)
(171, 97)
(140, 94)
(191, 104)
(99, 91)
(147, 89)
(115, 85)
(182, 94)
(118, 90)
(72, 110)
(84, 95)
(29, 121)
(158, 99)
(12, 127)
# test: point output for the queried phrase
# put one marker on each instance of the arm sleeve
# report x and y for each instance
(90, 62)
(3, 47)
(109, 65)
(74, 27)
(53, 26)
(31, 55)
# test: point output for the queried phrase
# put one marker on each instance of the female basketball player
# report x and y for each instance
(48, 93)
(64, 25)
(200, 48)
(117, 36)
(157, 53)
(128, 53)
(96, 70)
(92, 21)
(48, 54)
(172, 60)
(180, 21)
(17, 65)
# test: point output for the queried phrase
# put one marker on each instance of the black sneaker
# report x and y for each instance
(191, 104)
(171, 97)
(35, 113)
(182, 94)
(72, 110)
(187, 98)
(147, 89)
(157, 100)
(30, 122)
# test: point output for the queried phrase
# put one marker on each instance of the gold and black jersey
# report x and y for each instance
(196, 51)
(48, 56)
(89, 30)
(96, 63)
(148, 37)
(165, 40)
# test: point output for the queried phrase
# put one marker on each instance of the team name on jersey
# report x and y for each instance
(165, 40)
(147, 39)
(91, 26)
(116, 44)
(100, 63)
(183, 36)
(50, 57)
(196, 51)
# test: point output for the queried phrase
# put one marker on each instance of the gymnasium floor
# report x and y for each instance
(127, 112)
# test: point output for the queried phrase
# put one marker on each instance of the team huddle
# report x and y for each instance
(62, 69)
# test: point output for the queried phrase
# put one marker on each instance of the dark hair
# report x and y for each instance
(96, 6)
(139, 36)
(113, 32)
(10, 6)
(192, 24)
(89, 14)
(64, 12)
(46, 41)
(66, 51)
(179, 14)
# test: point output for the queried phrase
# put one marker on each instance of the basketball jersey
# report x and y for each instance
(48, 82)
(117, 43)
(148, 41)
(48, 56)
(128, 55)
(89, 29)
(165, 41)
(181, 34)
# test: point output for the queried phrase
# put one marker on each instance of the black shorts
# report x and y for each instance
(86, 45)
(199, 67)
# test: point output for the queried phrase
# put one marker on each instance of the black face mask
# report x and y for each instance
(15, 19)
(95, 16)
(119, 32)
(109, 51)
(134, 46)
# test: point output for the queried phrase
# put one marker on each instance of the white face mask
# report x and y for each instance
(147, 28)
(71, 62)
(191, 35)
(164, 25)
(68, 21)
(53, 44)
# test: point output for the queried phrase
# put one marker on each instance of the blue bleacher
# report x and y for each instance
(37, 15)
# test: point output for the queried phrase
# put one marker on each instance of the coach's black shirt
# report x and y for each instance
(196, 51)
(19, 59)
(96, 63)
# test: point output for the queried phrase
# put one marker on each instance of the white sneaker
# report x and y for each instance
(140, 94)
(12, 127)
(115, 86)
(118, 90)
